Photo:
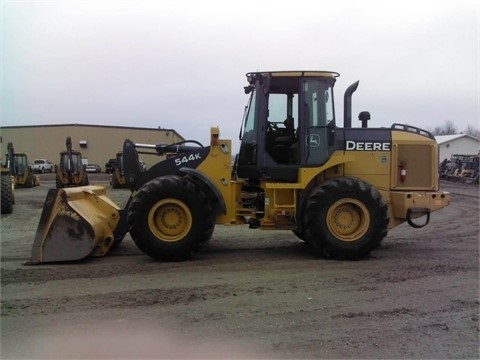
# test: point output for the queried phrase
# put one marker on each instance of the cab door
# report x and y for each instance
(318, 131)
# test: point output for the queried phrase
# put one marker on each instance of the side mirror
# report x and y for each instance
(248, 89)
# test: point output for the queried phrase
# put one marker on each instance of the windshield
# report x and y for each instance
(74, 165)
(21, 163)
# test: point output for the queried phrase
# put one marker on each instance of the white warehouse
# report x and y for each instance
(449, 145)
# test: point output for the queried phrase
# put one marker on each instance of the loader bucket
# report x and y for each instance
(75, 223)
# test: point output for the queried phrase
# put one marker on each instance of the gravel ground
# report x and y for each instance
(247, 294)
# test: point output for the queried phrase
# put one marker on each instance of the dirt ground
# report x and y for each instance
(247, 294)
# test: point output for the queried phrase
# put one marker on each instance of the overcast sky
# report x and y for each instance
(182, 64)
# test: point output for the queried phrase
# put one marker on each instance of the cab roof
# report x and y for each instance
(293, 73)
(282, 81)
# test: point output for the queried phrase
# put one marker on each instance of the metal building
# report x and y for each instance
(97, 143)
(464, 144)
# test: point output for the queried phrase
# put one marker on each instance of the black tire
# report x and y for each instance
(300, 232)
(346, 218)
(168, 218)
(30, 181)
(209, 214)
(85, 181)
(300, 235)
(115, 183)
(209, 226)
(58, 182)
(7, 195)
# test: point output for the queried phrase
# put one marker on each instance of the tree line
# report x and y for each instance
(449, 128)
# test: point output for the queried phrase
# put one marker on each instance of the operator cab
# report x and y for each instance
(71, 161)
(21, 164)
(289, 123)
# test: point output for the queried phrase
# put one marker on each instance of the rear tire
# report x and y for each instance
(7, 195)
(346, 218)
(30, 180)
(169, 218)
(58, 182)
(115, 184)
(85, 181)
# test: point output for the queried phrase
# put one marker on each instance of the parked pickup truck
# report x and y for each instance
(42, 165)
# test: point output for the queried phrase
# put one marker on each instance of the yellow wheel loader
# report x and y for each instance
(23, 175)
(339, 189)
(71, 171)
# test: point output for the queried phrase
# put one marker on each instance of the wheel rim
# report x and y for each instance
(170, 220)
(348, 219)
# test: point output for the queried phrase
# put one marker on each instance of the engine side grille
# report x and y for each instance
(419, 163)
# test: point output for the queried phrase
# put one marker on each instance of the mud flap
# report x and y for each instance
(75, 223)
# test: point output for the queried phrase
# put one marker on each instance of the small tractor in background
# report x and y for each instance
(461, 168)
(109, 165)
(339, 189)
(70, 171)
(117, 177)
(20, 169)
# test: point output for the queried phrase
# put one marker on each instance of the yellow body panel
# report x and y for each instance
(372, 167)
(217, 167)
(334, 167)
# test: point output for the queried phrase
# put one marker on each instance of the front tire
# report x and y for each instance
(346, 218)
(169, 217)
(58, 182)
(30, 180)
(84, 181)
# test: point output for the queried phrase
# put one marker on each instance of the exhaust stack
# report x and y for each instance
(347, 105)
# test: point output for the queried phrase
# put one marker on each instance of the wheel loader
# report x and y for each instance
(71, 171)
(339, 189)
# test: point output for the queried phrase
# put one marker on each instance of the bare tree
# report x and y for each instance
(446, 129)
(472, 131)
